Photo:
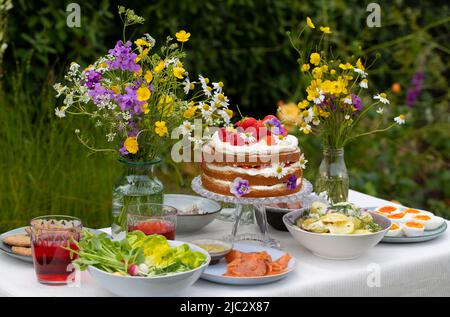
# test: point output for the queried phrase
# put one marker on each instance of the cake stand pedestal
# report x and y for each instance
(260, 210)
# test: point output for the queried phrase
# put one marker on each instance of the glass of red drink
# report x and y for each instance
(152, 218)
(49, 236)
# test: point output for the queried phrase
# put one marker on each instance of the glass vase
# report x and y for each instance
(138, 184)
(333, 176)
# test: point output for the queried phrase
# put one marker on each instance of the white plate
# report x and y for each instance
(214, 273)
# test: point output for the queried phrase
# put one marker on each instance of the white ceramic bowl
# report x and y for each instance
(190, 223)
(335, 246)
(139, 286)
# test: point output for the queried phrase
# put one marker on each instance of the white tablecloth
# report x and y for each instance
(418, 269)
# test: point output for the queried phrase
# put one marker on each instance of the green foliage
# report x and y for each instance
(242, 42)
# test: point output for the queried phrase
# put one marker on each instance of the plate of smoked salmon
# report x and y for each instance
(250, 264)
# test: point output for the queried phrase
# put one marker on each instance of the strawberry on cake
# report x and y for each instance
(255, 158)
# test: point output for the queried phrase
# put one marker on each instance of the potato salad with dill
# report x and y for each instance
(341, 218)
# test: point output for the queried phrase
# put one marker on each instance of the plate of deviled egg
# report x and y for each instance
(411, 225)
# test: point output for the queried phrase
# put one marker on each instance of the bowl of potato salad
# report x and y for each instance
(340, 232)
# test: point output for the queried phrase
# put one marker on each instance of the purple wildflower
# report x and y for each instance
(274, 125)
(92, 78)
(124, 58)
(100, 95)
(416, 88)
(356, 101)
(292, 182)
(239, 187)
(123, 151)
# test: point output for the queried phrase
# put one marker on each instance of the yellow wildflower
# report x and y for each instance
(145, 108)
(139, 73)
(116, 89)
(131, 144)
(148, 76)
(333, 71)
(313, 89)
(324, 68)
(304, 67)
(178, 72)
(183, 36)
(314, 58)
(317, 72)
(141, 55)
(143, 93)
(189, 113)
(159, 67)
(324, 114)
(141, 42)
(346, 66)
(359, 64)
(303, 104)
(160, 128)
(310, 23)
(325, 29)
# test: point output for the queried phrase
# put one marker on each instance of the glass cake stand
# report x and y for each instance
(260, 211)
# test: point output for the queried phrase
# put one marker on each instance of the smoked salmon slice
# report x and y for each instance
(254, 264)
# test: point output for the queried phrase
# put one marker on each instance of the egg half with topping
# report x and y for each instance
(429, 222)
(415, 212)
(394, 231)
(413, 229)
(386, 210)
(399, 217)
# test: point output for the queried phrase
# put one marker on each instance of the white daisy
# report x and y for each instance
(221, 99)
(186, 85)
(203, 81)
(320, 98)
(309, 116)
(186, 128)
(218, 87)
(248, 137)
(302, 161)
(225, 116)
(279, 170)
(382, 98)
(361, 72)
(305, 128)
(60, 112)
(348, 100)
(380, 110)
(364, 84)
(279, 138)
(400, 119)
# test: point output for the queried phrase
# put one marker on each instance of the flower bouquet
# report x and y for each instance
(139, 98)
(334, 108)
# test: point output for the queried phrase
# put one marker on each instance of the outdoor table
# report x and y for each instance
(415, 269)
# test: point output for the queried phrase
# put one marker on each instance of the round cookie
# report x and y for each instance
(18, 240)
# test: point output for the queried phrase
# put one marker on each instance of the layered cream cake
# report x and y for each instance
(256, 158)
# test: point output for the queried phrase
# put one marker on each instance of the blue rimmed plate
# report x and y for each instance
(214, 273)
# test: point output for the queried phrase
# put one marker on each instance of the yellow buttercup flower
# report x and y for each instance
(317, 72)
(359, 64)
(145, 108)
(178, 72)
(183, 36)
(189, 113)
(303, 104)
(143, 93)
(131, 145)
(148, 76)
(141, 55)
(160, 128)
(304, 67)
(310, 23)
(314, 59)
(141, 42)
(346, 66)
(116, 89)
(324, 68)
(333, 71)
(159, 67)
(325, 29)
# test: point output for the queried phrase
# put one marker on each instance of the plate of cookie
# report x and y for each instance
(17, 243)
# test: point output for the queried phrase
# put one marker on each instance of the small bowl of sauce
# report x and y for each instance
(217, 249)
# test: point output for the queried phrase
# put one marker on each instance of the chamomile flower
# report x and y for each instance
(348, 100)
(302, 161)
(186, 85)
(279, 138)
(221, 99)
(316, 121)
(203, 81)
(218, 87)
(307, 115)
(248, 137)
(400, 119)
(380, 110)
(360, 71)
(60, 112)
(320, 97)
(186, 128)
(305, 128)
(382, 97)
(364, 84)
(279, 170)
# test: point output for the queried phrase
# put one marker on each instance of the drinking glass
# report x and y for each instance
(50, 235)
(152, 218)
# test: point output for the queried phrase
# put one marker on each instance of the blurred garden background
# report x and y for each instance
(44, 169)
